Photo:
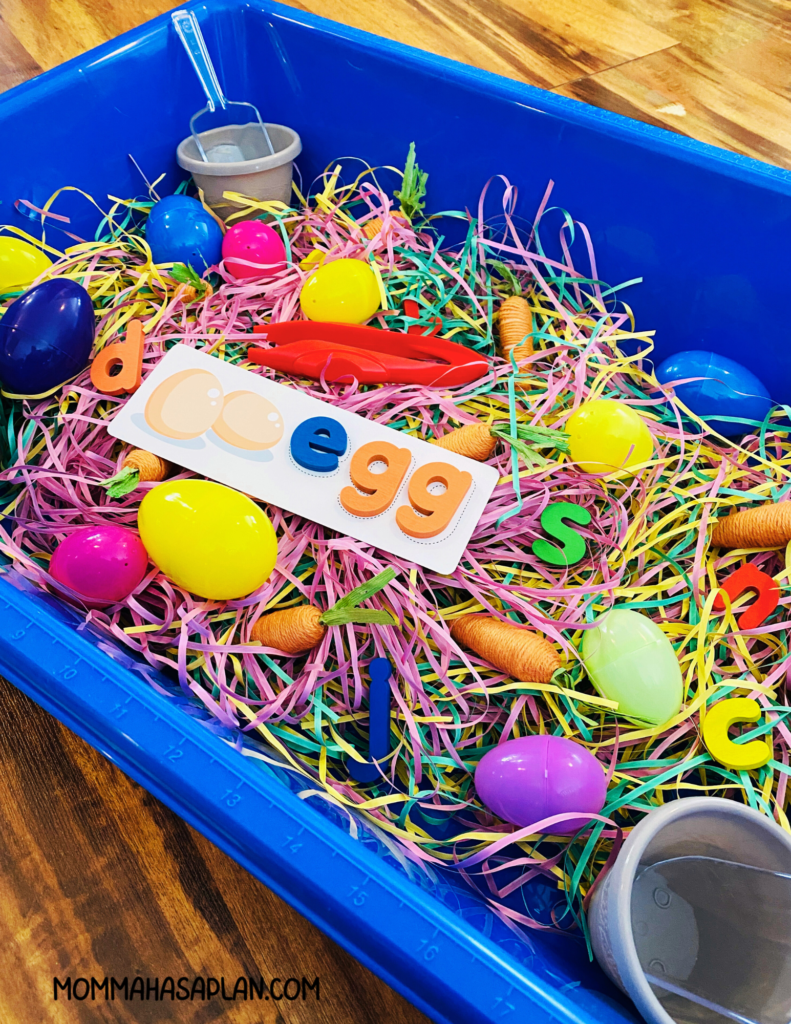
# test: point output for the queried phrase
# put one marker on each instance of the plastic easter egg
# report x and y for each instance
(249, 421)
(20, 263)
(46, 337)
(207, 538)
(103, 564)
(255, 242)
(185, 404)
(344, 291)
(179, 230)
(534, 777)
(605, 436)
(629, 659)
(729, 389)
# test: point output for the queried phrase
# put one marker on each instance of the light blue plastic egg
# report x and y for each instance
(179, 230)
(729, 389)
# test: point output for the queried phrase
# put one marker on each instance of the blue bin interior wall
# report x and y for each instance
(705, 229)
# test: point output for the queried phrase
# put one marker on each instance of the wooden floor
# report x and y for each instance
(97, 877)
(713, 69)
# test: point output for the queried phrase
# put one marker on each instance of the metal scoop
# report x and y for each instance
(252, 139)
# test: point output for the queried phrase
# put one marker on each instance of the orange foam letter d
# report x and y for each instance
(379, 489)
(436, 510)
(127, 354)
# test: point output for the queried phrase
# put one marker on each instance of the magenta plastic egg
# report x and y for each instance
(103, 564)
(255, 242)
(533, 777)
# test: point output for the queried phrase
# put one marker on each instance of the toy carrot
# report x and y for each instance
(372, 227)
(525, 656)
(191, 286)
(478, 441)
(296, 630)
(768, 526)
(139, 466)
(516, 328)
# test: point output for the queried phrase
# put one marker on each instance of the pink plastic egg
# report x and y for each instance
(256, 242)
(103, 564)
(533, 777)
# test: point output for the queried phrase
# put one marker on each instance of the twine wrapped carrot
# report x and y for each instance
(478, 440)
(516, 328)
(768, 526)
(296, 630)
(522, 654)
(139, 466)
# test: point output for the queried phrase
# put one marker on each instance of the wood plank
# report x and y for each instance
(16, 64)
(98, 878)
(706, 98)
(713, 27)
(544, 43)
(53, 32)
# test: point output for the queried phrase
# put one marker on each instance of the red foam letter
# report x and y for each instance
(748, 577)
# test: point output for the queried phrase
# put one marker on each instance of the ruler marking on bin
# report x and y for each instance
(106, 696)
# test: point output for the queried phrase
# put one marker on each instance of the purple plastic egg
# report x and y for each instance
(533, 777)
(103, 564)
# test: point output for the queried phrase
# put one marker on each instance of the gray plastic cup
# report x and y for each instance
(693, 922)
(239, 162)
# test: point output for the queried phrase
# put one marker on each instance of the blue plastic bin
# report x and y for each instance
(706, 230)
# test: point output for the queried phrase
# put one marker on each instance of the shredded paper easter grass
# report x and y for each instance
(648, 545)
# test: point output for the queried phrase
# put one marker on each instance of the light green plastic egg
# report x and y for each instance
(629, 659)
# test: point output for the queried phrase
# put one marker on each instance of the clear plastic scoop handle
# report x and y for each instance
(186, 24)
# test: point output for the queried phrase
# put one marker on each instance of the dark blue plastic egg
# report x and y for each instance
(179, 230)
(46, 337)
(729, 389)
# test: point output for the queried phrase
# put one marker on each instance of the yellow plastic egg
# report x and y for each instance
(207, 538)
(606, 436)
(344, 292)
(20, 263)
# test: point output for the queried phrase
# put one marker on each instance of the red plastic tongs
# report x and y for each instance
(309, 348)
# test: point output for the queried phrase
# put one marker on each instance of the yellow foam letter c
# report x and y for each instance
(739, 756)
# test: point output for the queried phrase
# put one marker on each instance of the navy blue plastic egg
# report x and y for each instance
(46, 337)
(179, 230)
(729, 389)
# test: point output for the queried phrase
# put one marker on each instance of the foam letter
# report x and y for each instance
(380, 671)
(741, 757)
(573, 545)
(436, 510)
(749, 577)
(317, 443)
(127, 354)
(379, 489)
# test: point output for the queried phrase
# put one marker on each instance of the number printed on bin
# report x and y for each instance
(289, 449)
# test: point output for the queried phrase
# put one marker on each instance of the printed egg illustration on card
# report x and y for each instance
(185, 405)
(191, 402)
(250, 421)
